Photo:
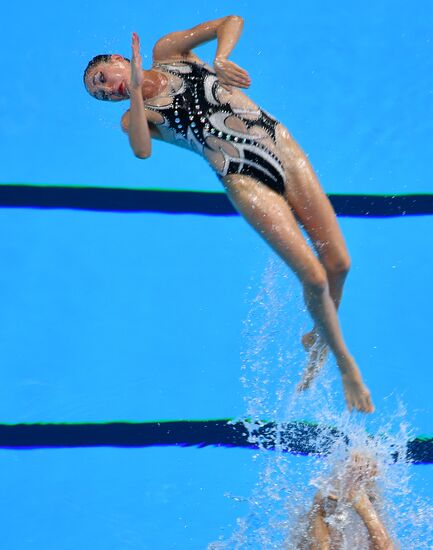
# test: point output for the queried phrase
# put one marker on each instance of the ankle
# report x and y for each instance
(346, 364)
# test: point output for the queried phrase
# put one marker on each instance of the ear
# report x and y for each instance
(117, 57)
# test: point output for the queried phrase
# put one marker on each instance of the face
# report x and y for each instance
(109, 80)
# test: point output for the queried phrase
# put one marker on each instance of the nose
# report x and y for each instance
(111, 86)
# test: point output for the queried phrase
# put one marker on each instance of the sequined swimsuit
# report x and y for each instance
(195, 113)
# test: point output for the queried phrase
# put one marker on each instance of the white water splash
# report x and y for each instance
(271, 348)
(279, 503)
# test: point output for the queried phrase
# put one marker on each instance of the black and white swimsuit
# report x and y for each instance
(195, 113)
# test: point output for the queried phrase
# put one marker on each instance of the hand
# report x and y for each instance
(229, 74)
(136, 64)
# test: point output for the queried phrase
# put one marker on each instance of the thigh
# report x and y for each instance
(309, 202)
(271, 216)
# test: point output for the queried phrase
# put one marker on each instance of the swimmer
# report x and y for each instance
(355, 489)
(183, 101)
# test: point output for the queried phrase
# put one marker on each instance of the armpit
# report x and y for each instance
(154, 132)
(124, 124)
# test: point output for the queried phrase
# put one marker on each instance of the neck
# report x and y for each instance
(153, 83)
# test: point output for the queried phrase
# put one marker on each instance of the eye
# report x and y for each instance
(101, 78)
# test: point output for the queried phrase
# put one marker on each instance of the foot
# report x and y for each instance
(355, 391)
(317, 354)
(362, 489)
(357, 475)
(361, 474)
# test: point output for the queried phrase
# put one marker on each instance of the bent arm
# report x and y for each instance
(136, 124)
(153, 130)
(179, 44)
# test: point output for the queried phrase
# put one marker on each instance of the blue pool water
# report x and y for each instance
(143, 317)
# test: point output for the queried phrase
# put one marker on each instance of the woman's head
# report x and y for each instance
(107, 77)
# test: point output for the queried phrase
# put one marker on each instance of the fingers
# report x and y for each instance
(238, 75)
(136, 63)
(230, 74)
(238, 78)
(235, 79)
(135, 45)
(229, 83)
(231, 68)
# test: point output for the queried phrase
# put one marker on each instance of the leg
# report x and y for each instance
(318, 531)
(316, 534)
(379, 537)
(272, 217)
(360, 485)
(315, 213)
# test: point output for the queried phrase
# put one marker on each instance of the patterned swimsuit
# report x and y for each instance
(195, 113)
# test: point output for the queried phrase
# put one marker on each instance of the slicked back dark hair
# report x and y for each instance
(101, 58)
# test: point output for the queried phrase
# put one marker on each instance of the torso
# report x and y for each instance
(228, 129)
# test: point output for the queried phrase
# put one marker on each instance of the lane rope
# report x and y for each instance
(107, 199)
(297, 437)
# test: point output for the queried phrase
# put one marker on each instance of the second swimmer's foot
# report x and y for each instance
(361, 473)
(317, 354)
(355, 391)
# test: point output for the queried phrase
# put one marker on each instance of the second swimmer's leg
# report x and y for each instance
(361, 490)
(377, 532)
(273, 218)
(318, 531)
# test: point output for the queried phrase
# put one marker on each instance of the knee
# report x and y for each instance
(315, 281)
(337, 265)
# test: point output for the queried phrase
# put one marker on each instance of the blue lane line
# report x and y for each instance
(104, 199)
